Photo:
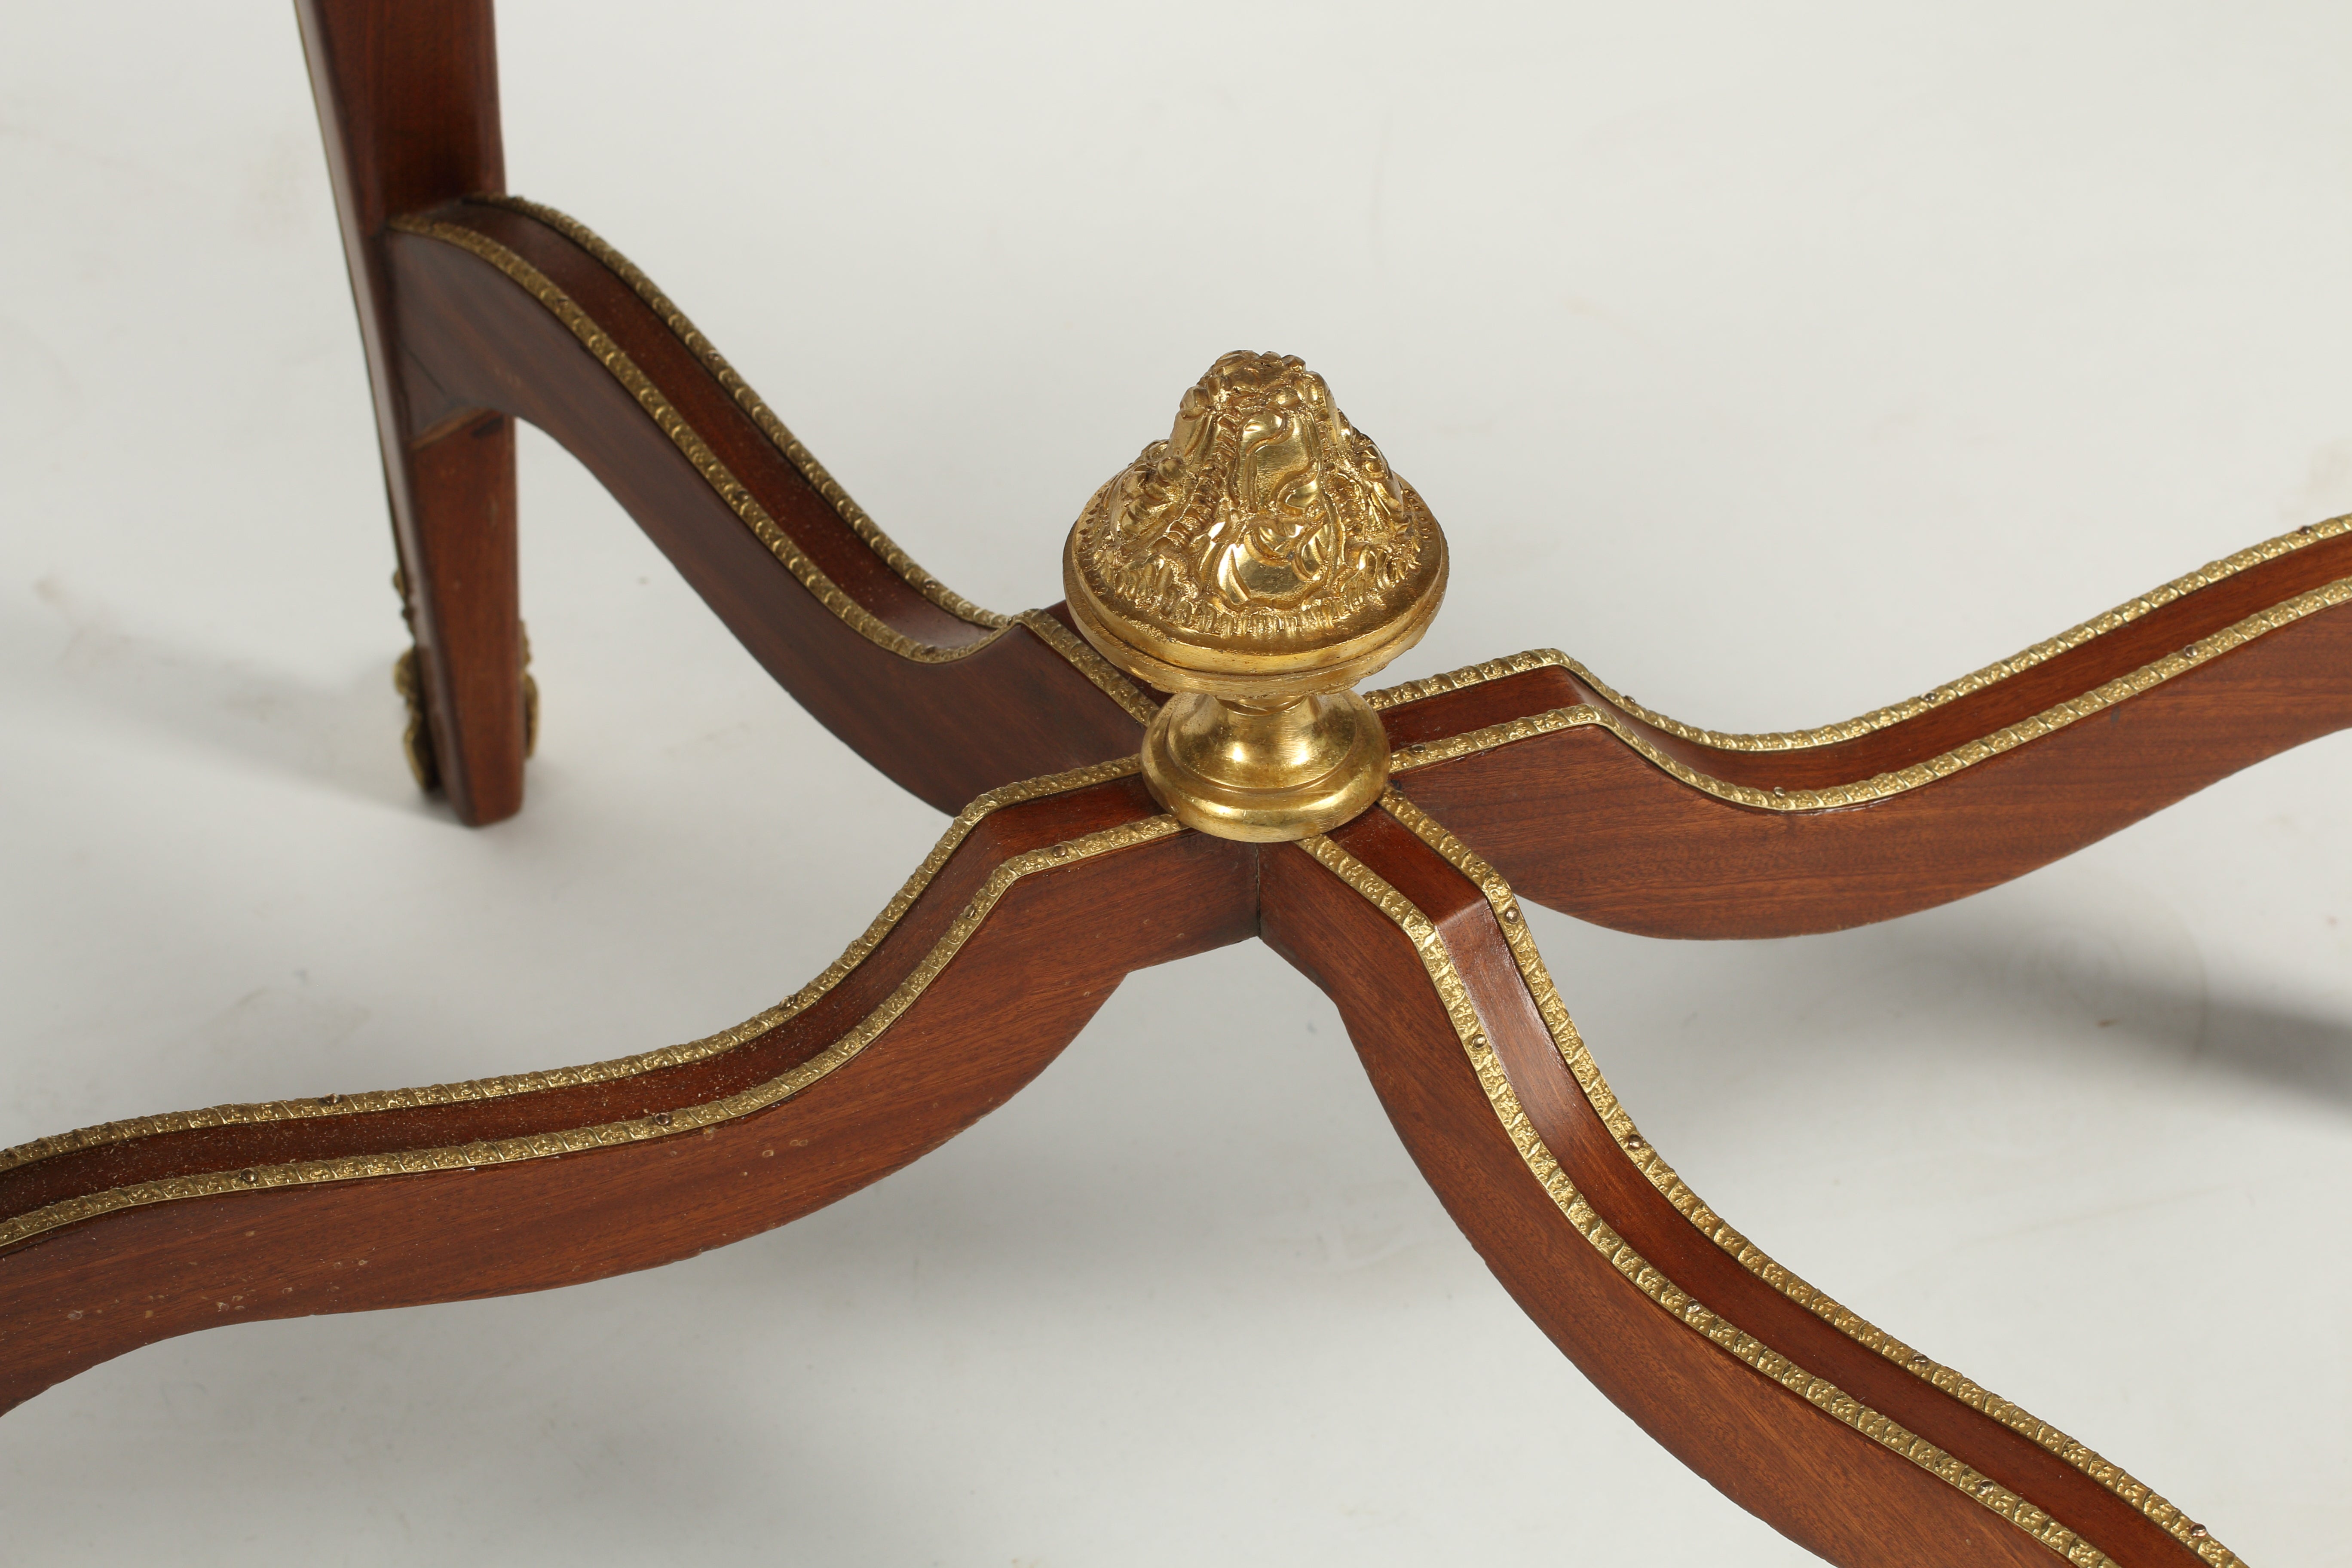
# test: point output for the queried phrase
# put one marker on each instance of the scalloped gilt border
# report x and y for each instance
(1860, 792)
(1878, 718)
(667, 1124)
(1679, 1304)
(722, 480)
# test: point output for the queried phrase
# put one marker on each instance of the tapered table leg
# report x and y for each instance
(407, 93)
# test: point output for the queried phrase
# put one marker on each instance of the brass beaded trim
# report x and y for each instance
(1861, 792)
(1108, 679)
(687, 440)
(1645, 1158)
(741, 500)
(750, 402)
(1879, 719)
(1678, 1303)
(592, 1072)
(662, 1124)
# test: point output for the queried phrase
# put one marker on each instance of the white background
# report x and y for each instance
(1779, 366)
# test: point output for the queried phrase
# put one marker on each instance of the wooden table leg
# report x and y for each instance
(407, 93)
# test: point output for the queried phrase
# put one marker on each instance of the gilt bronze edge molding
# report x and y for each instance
(1101, 674)
(1862, 792)
(738, 499)
(1645, 1156)
(1680, 1305)
(689, 441)
(1406, 759)
(607, 1071)
(910, 571)
(779, 435)
(637, 1130)
(1881, 718)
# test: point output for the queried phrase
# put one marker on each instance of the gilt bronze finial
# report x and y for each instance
(1258, 563)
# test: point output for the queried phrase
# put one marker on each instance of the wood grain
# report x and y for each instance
(1579, 820)
(1827, 1486)
(458, 347)
(408, 102)
(1047, 956)
(1010, 707)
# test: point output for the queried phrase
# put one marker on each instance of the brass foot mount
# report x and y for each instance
(1258, 563)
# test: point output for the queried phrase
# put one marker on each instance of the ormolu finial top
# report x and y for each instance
(1265, 549)
(1258, 563)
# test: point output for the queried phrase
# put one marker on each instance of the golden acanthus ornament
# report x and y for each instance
(1258, 563)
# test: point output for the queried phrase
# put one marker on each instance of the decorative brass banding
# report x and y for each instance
(1049, 630)
(1861, 792)
(1878, 719)
(1645, 1156)
(662, 1124)
(716, 474)
(1257, 562)
(608, 1071)
(750, 402)
(1453, 995)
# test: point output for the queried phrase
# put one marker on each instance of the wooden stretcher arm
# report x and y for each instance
(505, 305)
(997, 952)
(475, 308)
(1849, 1442)
(1599, 807)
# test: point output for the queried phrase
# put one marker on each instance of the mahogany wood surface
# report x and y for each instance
(1819, 1480)
(459, 346)
(1582, 820)
(1027, 980)
(1579, 820)
(1009, 708)
(409, 100)
(1022, 986)
(2060, 678)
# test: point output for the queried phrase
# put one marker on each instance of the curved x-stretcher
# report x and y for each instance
(1065, 873)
